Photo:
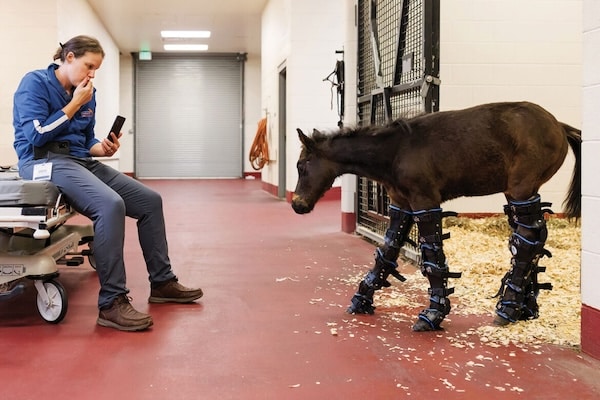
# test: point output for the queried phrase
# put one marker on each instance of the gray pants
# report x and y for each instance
(106, 196)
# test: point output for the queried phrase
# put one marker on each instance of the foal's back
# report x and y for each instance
(498, 147)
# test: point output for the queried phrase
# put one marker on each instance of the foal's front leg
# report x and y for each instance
(386, 255)
(434, 267)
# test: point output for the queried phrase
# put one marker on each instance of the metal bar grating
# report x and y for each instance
(402, 34)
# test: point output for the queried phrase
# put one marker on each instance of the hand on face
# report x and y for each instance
(84, 91)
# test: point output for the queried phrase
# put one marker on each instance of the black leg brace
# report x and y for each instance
(434, 267)
(520, 287)
(386, 255)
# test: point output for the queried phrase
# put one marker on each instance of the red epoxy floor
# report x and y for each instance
(275, 288)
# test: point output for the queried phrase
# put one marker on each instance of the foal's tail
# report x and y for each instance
(572, 203)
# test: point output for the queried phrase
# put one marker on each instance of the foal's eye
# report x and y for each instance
(301, 167)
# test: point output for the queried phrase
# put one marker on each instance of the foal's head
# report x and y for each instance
(316, 174)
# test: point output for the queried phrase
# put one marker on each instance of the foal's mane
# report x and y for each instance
(391, 128)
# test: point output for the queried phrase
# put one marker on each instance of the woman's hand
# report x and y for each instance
(106, 148)
(110, 148)
(83, 92)
(81, 95)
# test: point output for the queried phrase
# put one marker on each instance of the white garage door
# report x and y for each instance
(188, 121)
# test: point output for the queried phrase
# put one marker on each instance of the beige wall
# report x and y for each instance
(30, 37)
(32, 32)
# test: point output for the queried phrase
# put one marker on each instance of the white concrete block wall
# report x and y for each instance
(252, 110)
(275, 49)
(348, 182)
(590, 256)
(512, 50)
(301, 36)
(126, 151)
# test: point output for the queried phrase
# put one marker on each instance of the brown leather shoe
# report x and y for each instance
(122, 316)
(172, 291)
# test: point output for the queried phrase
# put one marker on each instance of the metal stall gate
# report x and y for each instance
(398, 76)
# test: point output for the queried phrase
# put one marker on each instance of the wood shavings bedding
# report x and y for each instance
(479, 249)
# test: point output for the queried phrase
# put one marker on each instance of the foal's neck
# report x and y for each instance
(368, 156)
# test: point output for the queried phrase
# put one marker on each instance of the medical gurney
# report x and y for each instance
(34, 240)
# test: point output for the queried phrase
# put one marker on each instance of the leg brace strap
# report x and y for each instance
(385, 262)
(528, 214)
(520, 287)
(434, 267)
(433, 259)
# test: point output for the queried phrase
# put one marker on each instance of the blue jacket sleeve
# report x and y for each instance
(38, 118)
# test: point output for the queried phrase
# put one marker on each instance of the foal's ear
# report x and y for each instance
(306, 141)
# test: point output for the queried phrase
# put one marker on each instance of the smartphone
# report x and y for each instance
(116, 127)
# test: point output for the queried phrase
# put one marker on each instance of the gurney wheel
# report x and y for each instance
(55, 309)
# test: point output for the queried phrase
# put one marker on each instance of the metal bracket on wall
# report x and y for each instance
(429, 80)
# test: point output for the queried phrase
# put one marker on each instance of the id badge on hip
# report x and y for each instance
(42, 172)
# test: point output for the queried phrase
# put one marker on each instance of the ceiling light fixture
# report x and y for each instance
(186, 47)
(185, 34)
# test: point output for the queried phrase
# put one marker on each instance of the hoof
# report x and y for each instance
(422, 326)
(360, 310)
(361, 304)
(500, 321)
(429, 320)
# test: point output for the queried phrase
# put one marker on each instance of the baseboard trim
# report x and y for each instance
(590, 326)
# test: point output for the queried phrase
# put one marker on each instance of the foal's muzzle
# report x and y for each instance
(300, 205)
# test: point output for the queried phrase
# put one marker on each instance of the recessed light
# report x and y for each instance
(185, 34)
(186, 47)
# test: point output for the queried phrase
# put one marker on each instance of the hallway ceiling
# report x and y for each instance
(136, 24)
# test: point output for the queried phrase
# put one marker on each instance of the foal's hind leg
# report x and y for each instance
(385, 262)
(435, 268)
(520, 287)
